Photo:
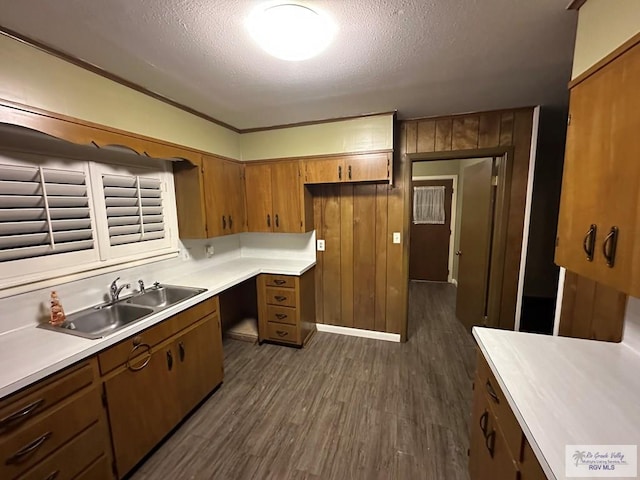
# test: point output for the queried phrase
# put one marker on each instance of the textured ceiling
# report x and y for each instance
(420, 57)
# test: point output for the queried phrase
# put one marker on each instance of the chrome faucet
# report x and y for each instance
(141, 283)
(115, 289)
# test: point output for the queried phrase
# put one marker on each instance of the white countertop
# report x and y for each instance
(30, 354)
(566, 391)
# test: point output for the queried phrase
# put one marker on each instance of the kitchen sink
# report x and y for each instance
(163, 296)
(102, 320)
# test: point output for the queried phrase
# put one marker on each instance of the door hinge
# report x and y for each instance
(494, 180)
(569, 120)
(485, 320)
(202, 169)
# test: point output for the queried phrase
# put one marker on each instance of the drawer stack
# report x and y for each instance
(56, 429)
(286, 308)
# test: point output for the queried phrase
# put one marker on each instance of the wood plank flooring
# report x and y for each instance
(342, 408)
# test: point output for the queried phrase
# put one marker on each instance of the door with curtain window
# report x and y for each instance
(430, 230)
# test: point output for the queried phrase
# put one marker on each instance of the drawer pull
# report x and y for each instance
(169, 360)
(282, 333)
(483, 422)
(277, 221)
(181, 351)
(268, 220)
(490, 442)
(224, 222)
(280, 298)
(339, 172)
(492, 392)
(135, 348)
(53, 476)
(230, 222)
(589, 242)
(27, 449)
(279, 281)
(21, 415)
(281, 316)
(609, 247)
(349, 172)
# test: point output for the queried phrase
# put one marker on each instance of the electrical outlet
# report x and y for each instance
(321, 245)
(396, 237)
(210, 250)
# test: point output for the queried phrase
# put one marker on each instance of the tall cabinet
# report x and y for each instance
(599, 209)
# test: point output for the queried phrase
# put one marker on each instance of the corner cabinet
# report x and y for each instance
(277, 201)
(599, 209)
(365, 167)
(209, 197)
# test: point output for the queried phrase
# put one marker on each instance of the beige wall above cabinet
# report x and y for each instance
(597, 226)
(367, 167)
(210, 198)
(276, 199)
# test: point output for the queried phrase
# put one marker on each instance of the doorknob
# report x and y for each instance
(459, 253)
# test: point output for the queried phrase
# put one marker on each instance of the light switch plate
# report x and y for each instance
(320, 245)
(396, 237)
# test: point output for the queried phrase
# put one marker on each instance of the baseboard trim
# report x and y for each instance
(358, 332)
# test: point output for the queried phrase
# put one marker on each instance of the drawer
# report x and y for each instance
(282, 314)
(281, 332)
(500, 407)
(18, 409)
(530, 468)
(280, 281)
(281, 296)
(98, 470)
(38, 438)
(135, 346)
(73, 457)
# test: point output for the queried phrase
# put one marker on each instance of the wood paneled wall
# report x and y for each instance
(509, 130)
(351, 274)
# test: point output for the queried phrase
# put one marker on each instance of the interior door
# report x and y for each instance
(258, 191)
(475, 243)
(429, 251)
(286, 184)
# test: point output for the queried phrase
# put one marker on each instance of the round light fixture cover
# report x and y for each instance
(290, 31)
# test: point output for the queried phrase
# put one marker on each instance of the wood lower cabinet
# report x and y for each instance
(498, 448)
(277, 201)
(158, 383)
(366, 167)
(286, 308)
(209, 197)
(599, 208)
(56, 429)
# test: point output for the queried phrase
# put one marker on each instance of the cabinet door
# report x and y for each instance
(479, 458)
(190, 200)
(368, 168)
(143, 406)
(330, 170)
(287, 199)
(200, 358)
(233, 191)
(259, 198)
(214, 188)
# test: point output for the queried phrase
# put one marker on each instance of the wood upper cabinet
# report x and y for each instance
(209, 197)
(601, 183)
(276, 199)
(367, 167)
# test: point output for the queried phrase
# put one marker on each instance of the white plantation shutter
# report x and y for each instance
(43, 211)
(134, 208)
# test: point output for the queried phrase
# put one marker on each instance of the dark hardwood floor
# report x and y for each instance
(342, 408)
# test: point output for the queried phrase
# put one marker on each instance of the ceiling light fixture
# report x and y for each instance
(290, 31)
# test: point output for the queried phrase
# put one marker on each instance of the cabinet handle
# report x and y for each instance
(21, 415)
(490, 442)
(181, 351)
(230, 222)
(339, 172)
(483, 422)
(268, 220)
(492, 392)
(224, 222)
(589, 242)
(280, 298)
(27, 449)
(279, 281)
(135, 348)
(281, 316)
(609, 247)
(169, 360)
(349, 172)
(277, 221)
(282, 333)
(53, 476)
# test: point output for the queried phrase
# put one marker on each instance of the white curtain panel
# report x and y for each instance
(428, 205)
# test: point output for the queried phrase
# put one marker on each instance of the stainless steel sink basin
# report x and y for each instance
(102, 320)
(163, 296)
